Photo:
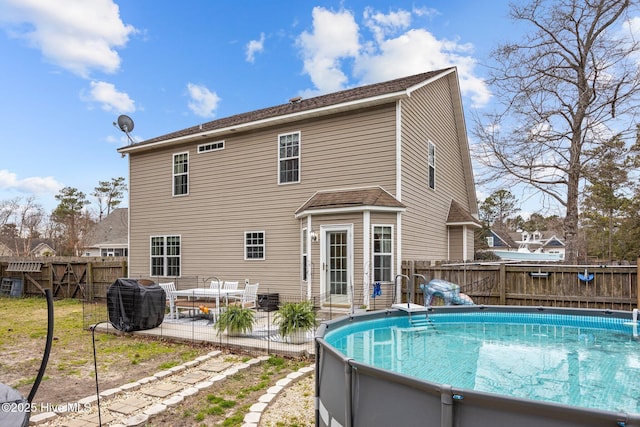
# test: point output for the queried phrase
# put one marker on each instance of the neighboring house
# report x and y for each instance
(500, 239)
(37, 248)
(534, 242)
(5, 250)
(318, 197)
(109, 237)
(42, 249)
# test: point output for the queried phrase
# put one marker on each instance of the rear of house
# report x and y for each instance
(319, 198)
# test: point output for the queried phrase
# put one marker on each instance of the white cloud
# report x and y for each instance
(203, 102)
(31, 185)
(335, 37)
(78, 36)
(253, 47)
(396, 50)
(383, 25)
(110, 99)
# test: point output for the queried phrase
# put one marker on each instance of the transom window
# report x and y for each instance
(165, 256)
(211, 146)
(180, 174)
(382, 253)
(289, 158)
(254, 245)
(432, 165)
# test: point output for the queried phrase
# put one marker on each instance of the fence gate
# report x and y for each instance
(68, 279)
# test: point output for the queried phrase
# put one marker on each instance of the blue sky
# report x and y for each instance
(70, 67)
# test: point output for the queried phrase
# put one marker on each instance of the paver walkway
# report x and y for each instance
(134, 404)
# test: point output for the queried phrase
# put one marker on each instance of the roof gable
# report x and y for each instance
(458, 215)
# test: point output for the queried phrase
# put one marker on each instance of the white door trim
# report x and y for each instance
(324, 229)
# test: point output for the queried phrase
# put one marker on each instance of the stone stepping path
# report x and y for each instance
(134, 404)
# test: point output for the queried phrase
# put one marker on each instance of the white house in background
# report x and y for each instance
(109, 237)
(526, 246)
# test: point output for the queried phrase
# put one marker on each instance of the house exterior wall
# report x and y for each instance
(236, 190)
(428, 115)
(458, 251)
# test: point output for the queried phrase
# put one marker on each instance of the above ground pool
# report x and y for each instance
(480, 366)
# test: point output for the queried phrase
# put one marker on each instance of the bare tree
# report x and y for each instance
(565, 90)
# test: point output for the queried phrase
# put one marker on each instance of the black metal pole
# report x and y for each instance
(47, 348)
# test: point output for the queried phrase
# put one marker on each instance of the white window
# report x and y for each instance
(382, 253)
(211, 146)
(289, 158)
(254, 246)
(165, 256)
(432, 165)
(180, 174)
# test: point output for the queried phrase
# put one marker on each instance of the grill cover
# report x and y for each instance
(133, 306)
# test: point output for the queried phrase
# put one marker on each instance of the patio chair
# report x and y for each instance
(175, 303)
(249, 297)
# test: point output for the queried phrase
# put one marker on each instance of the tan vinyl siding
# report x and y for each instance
(428, 115)
(236, 190)
(456, 244)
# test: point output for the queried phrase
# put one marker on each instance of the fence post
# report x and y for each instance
(502, 278)
(89, 288)
(638, 283)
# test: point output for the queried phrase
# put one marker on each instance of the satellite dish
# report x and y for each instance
(125, 123)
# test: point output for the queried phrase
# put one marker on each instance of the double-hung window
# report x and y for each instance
(289, 158)
(431, 165)
(382, 253)
(180, 174)
(254, 245)
(165, 256)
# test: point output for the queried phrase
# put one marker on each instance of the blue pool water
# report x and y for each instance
(584, 361)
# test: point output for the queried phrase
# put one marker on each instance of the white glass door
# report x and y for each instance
(337, 265)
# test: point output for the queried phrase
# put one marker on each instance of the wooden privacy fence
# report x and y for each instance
(600, 287)
(67, 278)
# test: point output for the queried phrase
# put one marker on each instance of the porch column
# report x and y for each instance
(366, 256)
(309, 258)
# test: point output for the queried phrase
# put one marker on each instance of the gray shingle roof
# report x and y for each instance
(358, 197)
(459, 215)
(113, 229)
(345, 96)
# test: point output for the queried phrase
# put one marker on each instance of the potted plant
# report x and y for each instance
(294, 320)
(235, 320)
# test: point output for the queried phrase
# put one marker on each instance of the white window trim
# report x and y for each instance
(173, 173)
(202, 148)
(373, 253)
(435, 166)
(299, 157)
(165, 265)
(264, 245)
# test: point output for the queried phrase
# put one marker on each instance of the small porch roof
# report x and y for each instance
(458, 215)
(355, 199)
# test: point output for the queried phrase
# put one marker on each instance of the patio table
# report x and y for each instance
(208, 293)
